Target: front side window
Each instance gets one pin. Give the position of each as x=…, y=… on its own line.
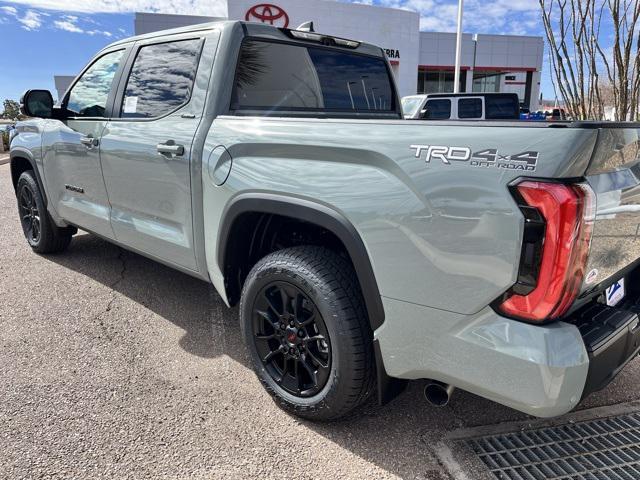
x=470, y=108
x=88, y=97
x=161, y=79
x=438, y=109
x=277, y=76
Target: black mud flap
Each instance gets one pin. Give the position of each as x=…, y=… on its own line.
x=388, y=387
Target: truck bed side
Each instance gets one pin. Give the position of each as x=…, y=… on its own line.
x=440, y=231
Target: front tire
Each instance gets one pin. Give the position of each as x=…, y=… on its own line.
x=43, y=235
x=304, y=321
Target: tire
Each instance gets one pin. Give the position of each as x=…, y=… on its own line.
x=326, y=311
x=42, y=234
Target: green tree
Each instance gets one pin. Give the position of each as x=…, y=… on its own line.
x=11, y=109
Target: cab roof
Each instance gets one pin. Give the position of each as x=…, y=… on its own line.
x=199, y=27
x=251, y=29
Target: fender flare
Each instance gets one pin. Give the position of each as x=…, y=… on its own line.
x=23, y=154
x=315, y=213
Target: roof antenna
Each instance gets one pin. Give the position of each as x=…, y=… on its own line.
x=306, y=27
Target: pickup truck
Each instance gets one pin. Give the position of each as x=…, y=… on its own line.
x=364, y=250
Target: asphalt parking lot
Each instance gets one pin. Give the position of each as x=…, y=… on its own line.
x=114, y=366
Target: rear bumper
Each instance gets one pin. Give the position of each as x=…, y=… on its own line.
x=538, y=369
x=542, y=370
x=612, y=339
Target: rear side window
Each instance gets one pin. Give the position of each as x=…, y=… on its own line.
x=502, y=107
x=438, y=109
x=161, y=79
x=470, y=108
x=278, y=76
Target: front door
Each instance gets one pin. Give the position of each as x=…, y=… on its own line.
x=71, y=157
x=146, y=151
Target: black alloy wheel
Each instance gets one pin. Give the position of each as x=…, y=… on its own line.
x=29, y=214
x=42, y=234
x=305, y=324
x=291, y=339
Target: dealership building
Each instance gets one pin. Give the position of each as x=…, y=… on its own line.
x=422, y=62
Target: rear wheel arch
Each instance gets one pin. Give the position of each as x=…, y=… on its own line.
x=249, y=218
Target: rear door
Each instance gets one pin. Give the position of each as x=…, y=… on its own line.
x=71, y=146
x=146, y=150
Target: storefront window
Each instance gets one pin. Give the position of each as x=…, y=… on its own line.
x=487, y=82
x=438, y=81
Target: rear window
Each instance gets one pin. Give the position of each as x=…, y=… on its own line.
x=279, y=76
x=438, y=109
x=501, y=107
x=470, y=108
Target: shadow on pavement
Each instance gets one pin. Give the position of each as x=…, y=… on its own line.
x=187, y=302
x=395, y=437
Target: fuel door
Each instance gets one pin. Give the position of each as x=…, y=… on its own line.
x=219, y=165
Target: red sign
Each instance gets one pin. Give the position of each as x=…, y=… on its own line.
x=268, y=13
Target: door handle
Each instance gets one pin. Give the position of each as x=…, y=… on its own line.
x=170, y=148
x=89, y=141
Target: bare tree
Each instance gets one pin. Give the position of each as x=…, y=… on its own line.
x=592, y=70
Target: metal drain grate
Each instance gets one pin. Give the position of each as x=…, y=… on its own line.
x=603, y=449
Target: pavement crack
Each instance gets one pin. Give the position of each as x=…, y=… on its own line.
x=123, y=270
x=114, y=294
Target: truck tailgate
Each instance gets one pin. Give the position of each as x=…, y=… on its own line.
x=614, y=175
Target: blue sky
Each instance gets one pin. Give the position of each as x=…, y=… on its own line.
x=46, y=37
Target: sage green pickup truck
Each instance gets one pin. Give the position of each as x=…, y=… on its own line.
x=364, y=250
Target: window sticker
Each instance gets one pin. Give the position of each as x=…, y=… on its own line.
x=130, y=104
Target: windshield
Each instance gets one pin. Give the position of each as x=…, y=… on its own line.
x=410, y=105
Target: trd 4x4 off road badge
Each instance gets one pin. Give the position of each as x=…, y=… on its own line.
x=489, y=158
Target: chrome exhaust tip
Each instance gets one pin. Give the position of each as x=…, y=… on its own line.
x=438, y=393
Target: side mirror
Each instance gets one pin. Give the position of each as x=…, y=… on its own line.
x=424, y=113
x=37, y=103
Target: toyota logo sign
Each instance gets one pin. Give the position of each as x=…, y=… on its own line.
x=268, y=13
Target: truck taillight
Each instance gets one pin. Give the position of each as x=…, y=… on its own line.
x=554, y=253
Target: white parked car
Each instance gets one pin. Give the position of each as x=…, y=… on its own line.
x=462, y=106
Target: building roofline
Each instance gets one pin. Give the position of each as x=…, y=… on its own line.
x=495, y=35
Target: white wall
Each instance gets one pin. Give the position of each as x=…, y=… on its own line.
x=535, y=90
x=152, y=22
x=510, y=51
x=62, y=83
x=385, y=27
x=439, y=49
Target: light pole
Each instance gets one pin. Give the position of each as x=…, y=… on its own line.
x=456, y=75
